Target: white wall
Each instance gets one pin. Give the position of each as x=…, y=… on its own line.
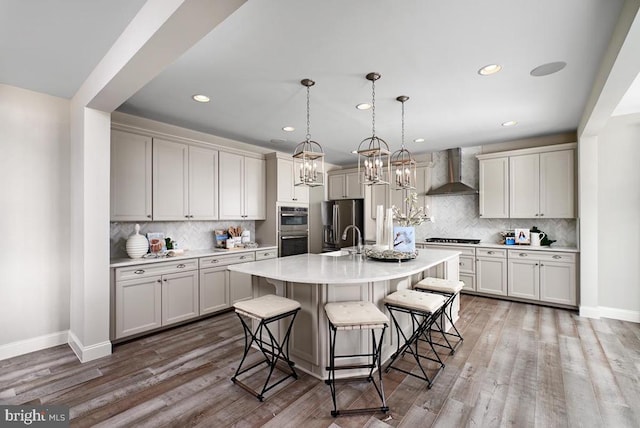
x=619, y=218
x=34, y=216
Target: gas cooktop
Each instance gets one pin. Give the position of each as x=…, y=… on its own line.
x=453, y=240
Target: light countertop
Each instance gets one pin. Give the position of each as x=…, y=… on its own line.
x=347, y=269
x=188, y=254
x=502, y=246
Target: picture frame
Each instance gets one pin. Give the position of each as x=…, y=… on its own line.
x=157, y=243
x=404, y=238
x=523, y=236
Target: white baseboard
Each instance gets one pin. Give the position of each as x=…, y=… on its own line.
x=22, y=347
x=590, y=312
x=88, y=353
x=620, y=314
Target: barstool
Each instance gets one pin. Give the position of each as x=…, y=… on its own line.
x=449, y=288
x=356, y=316
x=423, y=310
x=266, y=310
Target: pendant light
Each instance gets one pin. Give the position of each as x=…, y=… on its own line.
x=403, y=164
x=308, y=157
x=373, y=152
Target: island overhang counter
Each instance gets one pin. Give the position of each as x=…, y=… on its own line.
x=316, y=279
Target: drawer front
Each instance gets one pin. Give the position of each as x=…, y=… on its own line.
x=491, y=252
x=467, y=264
x=543, y=256
x=266, y=254
x=153, y=269
x=227, y=259
x=465, y=251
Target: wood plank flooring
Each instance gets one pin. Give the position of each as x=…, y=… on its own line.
x=520, y=365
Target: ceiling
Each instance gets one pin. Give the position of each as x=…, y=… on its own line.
x=252, y=63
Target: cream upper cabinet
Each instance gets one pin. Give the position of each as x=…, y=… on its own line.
x=170, y=180
x=287, y=191
x=494, y=188
x=345, y=186
x=528, y=183
x=242, y=187
x=185, y=182
x=131, y=165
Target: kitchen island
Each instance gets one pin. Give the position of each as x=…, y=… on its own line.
x=316, y=279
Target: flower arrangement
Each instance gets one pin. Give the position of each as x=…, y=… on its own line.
x=414, y=216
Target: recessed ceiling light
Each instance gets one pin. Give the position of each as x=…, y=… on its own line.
x=288, y=129
x=510, y=123
x=419, y=140
x=363, y=106
x=201, y=98
x=489, y=69
x=549, y=68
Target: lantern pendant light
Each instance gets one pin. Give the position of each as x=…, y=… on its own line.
x=308, y=157
x=373, y=152
x=402, y=162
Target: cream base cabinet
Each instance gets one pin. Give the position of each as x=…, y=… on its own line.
x=242, y=194
x=491, y=271
x=180, y=299
x=131, y=167
x=214, y=290
x=138, y=306
x=558, y=283
x=240, y=287
x=524, y=277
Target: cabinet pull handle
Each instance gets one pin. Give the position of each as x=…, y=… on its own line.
x=557, y=257
x=139, y=271
x=214, y=261
x=181, y=266
x=490, y=252
x=523, y=254
x=265, y=254
x=243, y=257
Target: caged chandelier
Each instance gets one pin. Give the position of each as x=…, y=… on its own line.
x=402, y=161
x=373, y=152
x=308, y=157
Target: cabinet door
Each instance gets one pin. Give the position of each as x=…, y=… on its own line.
x=255, y=188
x=179, y=297
x=130, y=177
x=353, y=188
x=524, y=186
x=285, y=180
x=203, y=184
x=170, y=178
x=138, y=306
x=336, y=186
x=523, y=278
x=469, y=281
x=558, y=283
x=494, y=188
x=491, y=275
x=231, y=192
x=240, y=286
x=557, y=188
x=214, y=290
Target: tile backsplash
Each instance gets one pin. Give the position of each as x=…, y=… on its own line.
x=194, y=235
x=458, y=216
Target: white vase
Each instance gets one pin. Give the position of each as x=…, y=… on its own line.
x=137, y=245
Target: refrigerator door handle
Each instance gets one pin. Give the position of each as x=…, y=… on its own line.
x=336, y=224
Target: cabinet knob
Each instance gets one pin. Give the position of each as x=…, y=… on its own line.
x=181, y=266
x=536, y=264
x=165, y=280
x=139, y=271
x=523, y=254
x=541, y=214
x=158, y=281
x=536, y=215
x=541, y=265
x=148, y=215
x=186, y=216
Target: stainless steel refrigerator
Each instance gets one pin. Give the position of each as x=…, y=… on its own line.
x=336, y=215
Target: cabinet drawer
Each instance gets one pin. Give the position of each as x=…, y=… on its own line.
x=227, y=259
x=266, y=254
x=152, y=269
x=491, y=252
x=467, y=264
x=465, y=251
x=543, y=256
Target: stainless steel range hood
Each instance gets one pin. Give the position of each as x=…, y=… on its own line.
x=455, y=186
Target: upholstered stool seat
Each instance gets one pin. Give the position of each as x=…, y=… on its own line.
x=356, y=316
x=274, y=347
x=423, y=309
x=450, y=288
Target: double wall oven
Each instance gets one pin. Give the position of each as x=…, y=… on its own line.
x=293, y=231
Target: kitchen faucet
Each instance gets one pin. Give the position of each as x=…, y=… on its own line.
x=344, y=237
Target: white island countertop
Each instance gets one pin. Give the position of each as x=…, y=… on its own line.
x=347, y=269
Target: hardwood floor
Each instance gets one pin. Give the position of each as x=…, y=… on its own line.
x=520, y=365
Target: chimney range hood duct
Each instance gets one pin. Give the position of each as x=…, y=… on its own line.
x=455, y=186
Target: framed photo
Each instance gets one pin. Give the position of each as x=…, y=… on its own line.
x=156, y=242
x=404, y=238
x=522, y=236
